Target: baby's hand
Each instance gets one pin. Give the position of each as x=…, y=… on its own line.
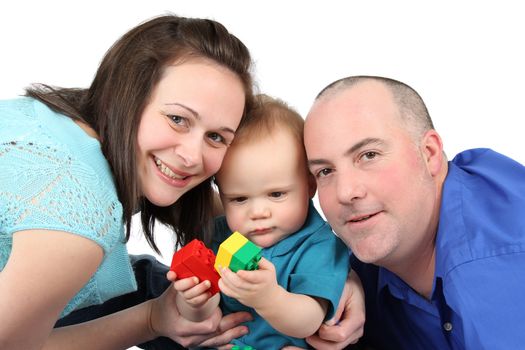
x=194, y=293
x=251, y=288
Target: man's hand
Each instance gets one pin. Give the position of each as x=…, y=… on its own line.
x=347, y=325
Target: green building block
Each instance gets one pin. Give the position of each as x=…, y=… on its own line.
x=246, y=258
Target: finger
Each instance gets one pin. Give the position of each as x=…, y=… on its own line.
x=223, y=339
x=232, y=320
x=265, y=264
x=171, y=275
x=185, y=283
x=199, y=289
x=320, y=344
x=199, y=300
x=230, y=278
x=229, y=328
x=225, y=347
x=248, y=278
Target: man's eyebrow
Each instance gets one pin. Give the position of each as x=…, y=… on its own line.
x=351, y=150
x=363, y=143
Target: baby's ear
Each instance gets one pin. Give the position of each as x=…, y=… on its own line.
x=312, y=185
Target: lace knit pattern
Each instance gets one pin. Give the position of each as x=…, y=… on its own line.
x=45, y=183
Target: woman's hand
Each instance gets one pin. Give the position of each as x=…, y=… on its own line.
x=215, y=331
x=347, y=325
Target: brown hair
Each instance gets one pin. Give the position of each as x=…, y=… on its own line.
x=120, y=91
x=267, y=114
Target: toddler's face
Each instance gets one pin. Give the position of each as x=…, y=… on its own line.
x=265, y=189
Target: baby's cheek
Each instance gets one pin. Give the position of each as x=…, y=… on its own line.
x=213, y=161
x=234, y=217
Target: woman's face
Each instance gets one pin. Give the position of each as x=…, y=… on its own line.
x=186, y=128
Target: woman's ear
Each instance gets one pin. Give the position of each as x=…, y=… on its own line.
x=432, y=150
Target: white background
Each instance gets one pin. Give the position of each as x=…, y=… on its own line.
x=466, y=58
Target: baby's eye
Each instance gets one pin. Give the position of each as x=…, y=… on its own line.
x=276, y=194
x=239, y=199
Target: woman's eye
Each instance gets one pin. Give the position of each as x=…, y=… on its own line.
x=178, y=120
x=215, y=137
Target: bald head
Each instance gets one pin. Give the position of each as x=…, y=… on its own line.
x=410, y=105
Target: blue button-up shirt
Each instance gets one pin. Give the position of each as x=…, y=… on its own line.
x=478, y=297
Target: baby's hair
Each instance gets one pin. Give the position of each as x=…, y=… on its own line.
x=267, y=115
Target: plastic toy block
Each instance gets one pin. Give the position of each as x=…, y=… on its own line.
x=194, y=259
x=238, y=253
x=222, y=260
x=228, y=248
x=237, y=347
x=246, y=258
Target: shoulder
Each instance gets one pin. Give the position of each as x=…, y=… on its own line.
x=54, y=176
x=482, y=209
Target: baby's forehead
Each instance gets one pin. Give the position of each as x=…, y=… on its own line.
x=263, y=131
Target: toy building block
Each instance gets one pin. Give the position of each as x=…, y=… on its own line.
x=237, y=347
x=238, y=253
x=194, y=259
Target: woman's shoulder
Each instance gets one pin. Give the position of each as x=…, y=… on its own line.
x=55, y=174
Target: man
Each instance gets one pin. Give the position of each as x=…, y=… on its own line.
x=439, y=246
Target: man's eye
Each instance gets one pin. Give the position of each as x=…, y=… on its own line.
x=323, y=172
x=369, y=155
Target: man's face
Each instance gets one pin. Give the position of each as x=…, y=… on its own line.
x=373, y=181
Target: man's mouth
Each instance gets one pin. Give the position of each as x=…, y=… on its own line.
x=363, y=218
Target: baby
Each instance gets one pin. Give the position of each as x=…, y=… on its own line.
x=266, y=190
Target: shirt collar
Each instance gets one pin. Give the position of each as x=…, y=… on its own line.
x=313, y=222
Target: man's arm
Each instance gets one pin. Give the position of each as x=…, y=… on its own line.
x=347, y=325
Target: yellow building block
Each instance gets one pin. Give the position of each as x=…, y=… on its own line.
x=228, y=248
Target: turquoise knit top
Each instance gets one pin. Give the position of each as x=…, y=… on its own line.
x=53, y=176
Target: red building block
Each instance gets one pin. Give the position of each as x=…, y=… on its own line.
x=194, y=259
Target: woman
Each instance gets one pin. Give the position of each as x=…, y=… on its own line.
x=76, y=164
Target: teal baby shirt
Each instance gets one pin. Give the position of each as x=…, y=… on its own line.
x=53, y=176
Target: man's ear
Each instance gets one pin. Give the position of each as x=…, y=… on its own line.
x=312, y=185
x=432, y=149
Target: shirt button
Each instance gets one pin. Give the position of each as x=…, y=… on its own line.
x=447, y=326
